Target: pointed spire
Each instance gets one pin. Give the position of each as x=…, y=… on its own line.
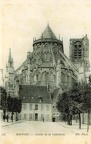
x=33, y=39
x=62, y=39
x=59, y=36
x=48, y=33
x=63, y=44
x=10, y=59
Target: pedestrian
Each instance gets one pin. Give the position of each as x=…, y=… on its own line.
x=4, y=117
x=7, y=117
x=43, y=119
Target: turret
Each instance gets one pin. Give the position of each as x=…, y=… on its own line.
x=10, y=59
x=9, y=77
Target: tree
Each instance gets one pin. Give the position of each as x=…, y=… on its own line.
x=10, y=106
x=64, y=105
x=70, y=103
x=3, y=99
x=76, y=94
x=17, y=106
x=87, y=102
x=14, y=105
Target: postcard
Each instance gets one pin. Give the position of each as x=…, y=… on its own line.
x=45, y=77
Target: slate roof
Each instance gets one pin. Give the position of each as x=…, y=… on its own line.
x=48, y=33
x=34, y=94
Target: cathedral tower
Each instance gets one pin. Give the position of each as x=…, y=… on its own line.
x=9, y=77
x=46, y=54
x=79, y=55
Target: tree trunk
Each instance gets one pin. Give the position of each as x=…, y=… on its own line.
x=79, y=120
x=69, y=119
x=88, y=120
x=12, y=116
x=90, y=117
x=82, y=118
x=16, y=116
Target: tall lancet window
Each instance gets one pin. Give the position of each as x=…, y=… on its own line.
x=77, y=51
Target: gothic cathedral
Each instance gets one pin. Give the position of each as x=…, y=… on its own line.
x=45, y=74
x=48, y=66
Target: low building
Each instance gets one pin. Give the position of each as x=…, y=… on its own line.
x=36, y=103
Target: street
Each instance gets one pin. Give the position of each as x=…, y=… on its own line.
x=42, y=128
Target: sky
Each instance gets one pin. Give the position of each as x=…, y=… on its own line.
x=21, y=21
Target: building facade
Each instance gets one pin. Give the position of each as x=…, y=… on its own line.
x=36, y=103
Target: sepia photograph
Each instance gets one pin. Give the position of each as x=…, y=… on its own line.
x=45, y=72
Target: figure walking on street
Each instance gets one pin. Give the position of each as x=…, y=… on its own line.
x=4, y=117
x=7, y=117
x=43, y=119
